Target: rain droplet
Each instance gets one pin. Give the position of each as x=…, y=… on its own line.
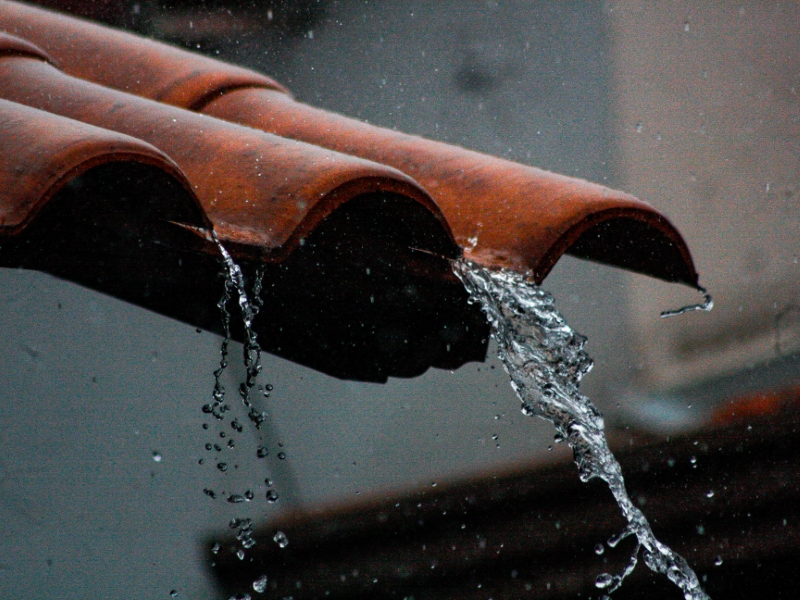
x=603, y=581
x=280, y=539
x=260, y=584
x=216, y=548
x=235, y=499
x=173, y=593
x=210, y=493
x=272, y=496
x=710, y=494
x=222, y=466
x=281, y=455
x=598, y=549
x=718, y=561
x=262, y=452
x=240, y=554
x=157, y=456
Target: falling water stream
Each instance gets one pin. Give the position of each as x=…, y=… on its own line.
x=249, y=306
x=546, y=360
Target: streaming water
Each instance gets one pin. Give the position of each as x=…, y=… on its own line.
x=249, y=306
x=546, y=361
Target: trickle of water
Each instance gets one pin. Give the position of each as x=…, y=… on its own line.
x=234, y=281
x=546, y=361
x=706, y=305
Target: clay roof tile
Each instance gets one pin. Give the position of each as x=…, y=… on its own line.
x=501, y=213
x=261, y=191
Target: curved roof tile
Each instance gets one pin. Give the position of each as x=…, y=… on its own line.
x=259, y=190
x=40, y=153
x=501, y=213
x=125, y=61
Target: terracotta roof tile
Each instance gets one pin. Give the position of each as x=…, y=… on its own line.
x=40, y=153
x=90, y=114
x=259, y=190
x=501, y=213
x=125, y=61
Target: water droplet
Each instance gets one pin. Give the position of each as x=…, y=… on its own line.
x=262, y=452
x=281, y=455
x=240, y=554
x=222, y=466
x=599, y=549
x=173, y=593
x=639, y=128
x=604, y=580
x=249, y=495
x=157, y=456
x=260, y=584
x=216, y=548
x=710, y=494
x=701, y=530
x=235, y=499
x=210, y=493
x=693, y=460
x=280, y=539
x=718, y=561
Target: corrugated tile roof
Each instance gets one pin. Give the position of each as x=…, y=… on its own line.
x=267, y=172
x=502, y=213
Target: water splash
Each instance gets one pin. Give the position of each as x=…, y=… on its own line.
x=546, y=361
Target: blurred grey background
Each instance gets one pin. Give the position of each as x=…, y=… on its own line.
x=691, y=106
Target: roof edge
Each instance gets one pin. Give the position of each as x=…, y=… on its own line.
x=252, y=245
